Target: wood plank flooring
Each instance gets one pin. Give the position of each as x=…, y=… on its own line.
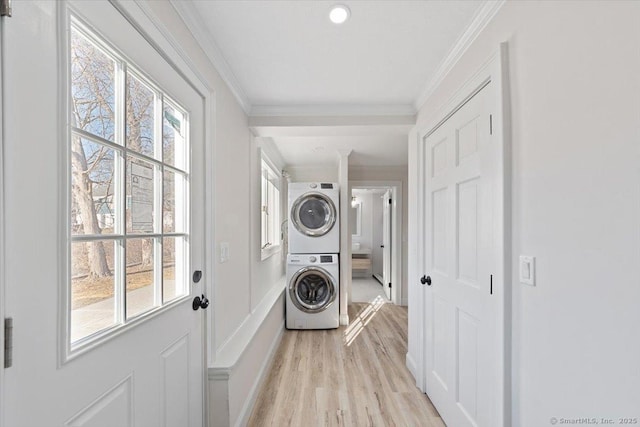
x=351, y=376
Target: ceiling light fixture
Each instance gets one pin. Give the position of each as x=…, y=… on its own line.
x=339, y=14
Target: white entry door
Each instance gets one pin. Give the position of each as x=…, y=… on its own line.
x=104, y=218
x=462, y=315
x=386, y=242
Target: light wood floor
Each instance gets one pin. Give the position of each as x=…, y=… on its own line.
x=351, y=376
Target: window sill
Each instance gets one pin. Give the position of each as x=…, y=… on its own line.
x=268, y=252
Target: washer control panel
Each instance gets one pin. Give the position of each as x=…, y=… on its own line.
x=312, y=259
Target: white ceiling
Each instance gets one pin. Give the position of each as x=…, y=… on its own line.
x=285, y=58
x=366, y=150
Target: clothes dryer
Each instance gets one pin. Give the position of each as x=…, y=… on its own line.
x=314, y=218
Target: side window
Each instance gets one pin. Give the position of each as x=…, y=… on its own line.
x=270, y=209
x=129, y=192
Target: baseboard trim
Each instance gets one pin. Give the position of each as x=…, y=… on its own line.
x=247, y=408
x=412, y=367
x=344, y=320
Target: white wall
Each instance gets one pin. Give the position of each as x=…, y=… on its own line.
x=389, y=173
x=575, y=86
x=328, y=173
x=244, y=318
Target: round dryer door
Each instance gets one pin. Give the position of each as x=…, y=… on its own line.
x=313, y=214
x=312, y=290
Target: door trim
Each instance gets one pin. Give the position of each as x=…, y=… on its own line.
x=494, y=70
x=2, y=225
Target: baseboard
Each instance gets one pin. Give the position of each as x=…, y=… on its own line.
x=412, y=367
x=245, y=413
x=344, y=320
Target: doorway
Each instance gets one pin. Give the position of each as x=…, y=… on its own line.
x=374, y=223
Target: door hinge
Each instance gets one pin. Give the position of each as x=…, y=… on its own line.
x=5, y=8
x=491, y=285
x=389, y=284
x=8, y=342
x=490, y=124
x=390, y=201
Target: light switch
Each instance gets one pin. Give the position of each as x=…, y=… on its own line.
x=224, y=252
x=528, y=270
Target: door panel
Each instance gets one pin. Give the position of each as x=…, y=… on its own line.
x=467, y=363
x=149, y=372
x=439, y=239
x=461, y=328
x=115, y=407
x=441, y=335
x=467, y=244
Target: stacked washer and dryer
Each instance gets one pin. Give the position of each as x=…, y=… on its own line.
x=313, y=271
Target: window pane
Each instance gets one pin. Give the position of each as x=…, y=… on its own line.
x=92, y=287
x=92, y=88
x=140, y=106
x=174, y=202
x=140, y=192
x=173, y=134
x=92, y=186
x=139, y=277
x=174, y=268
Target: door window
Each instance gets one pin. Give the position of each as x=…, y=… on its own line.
x=129, y=191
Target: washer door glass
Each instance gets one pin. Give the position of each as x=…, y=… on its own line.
x=313, y=214
x=312, y=290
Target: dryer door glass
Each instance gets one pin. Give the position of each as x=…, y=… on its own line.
x=313, y=214
x=312, y=290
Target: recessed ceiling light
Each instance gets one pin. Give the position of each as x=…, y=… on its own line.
x=339, y=14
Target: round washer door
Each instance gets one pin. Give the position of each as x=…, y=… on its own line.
x=313, y=214
x=312, y=289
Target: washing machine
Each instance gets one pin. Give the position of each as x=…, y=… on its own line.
x=313, y=291
x=314, y=218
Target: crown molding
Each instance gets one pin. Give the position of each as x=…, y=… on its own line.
x=483, y=16
x=205, y=40
x=333, y=110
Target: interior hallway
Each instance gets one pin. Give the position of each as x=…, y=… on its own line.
x=351, y=376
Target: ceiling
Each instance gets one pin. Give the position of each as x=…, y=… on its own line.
x=285, y=58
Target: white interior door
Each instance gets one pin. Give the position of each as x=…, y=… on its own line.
x=386, y=242
x=462, y=333
x=104, y=218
